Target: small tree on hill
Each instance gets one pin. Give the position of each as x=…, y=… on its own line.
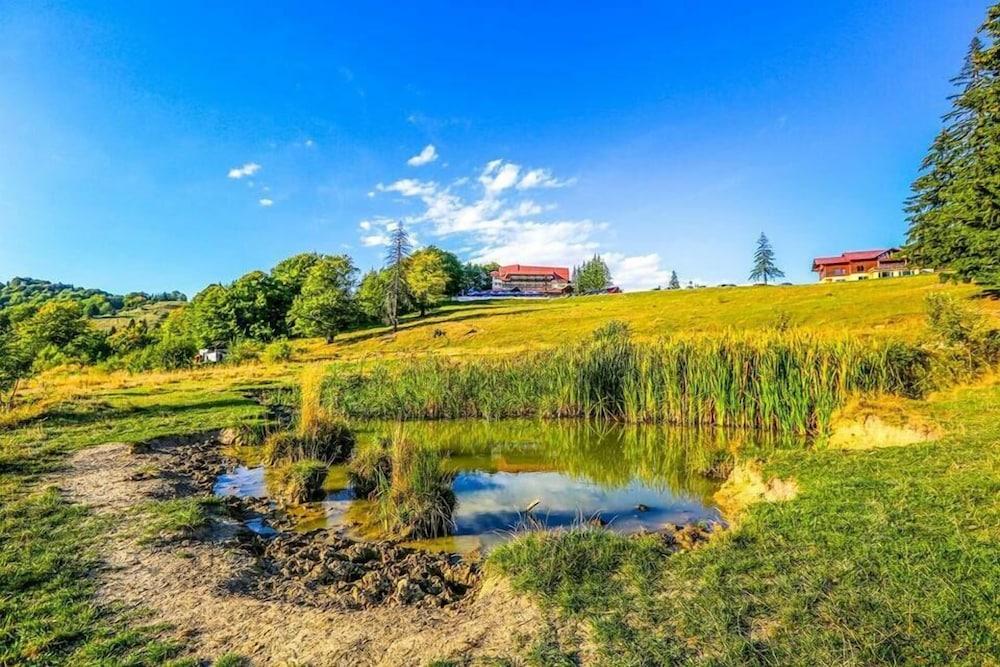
x=395, y=259
x=764, y=267
x=325, y=306
x=427, y=277
x=675, y=283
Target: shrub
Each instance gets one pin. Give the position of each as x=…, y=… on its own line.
x=331, y=442
x=277, y=352
x=244, y=351
x=962, y=341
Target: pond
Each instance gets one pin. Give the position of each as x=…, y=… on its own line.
x=629, y=477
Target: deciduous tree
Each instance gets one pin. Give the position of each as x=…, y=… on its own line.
x=325, y=305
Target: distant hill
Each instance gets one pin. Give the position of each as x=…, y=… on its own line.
x=35, y=292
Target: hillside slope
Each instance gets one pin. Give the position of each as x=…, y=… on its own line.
x=883, y=307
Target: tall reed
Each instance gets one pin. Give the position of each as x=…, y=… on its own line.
x=787, y=382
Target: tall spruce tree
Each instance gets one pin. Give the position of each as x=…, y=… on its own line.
x=954, y=211
x=764, y=267
x=395, y=259
x=675, y=283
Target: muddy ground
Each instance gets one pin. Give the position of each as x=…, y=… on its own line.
x=298, y=600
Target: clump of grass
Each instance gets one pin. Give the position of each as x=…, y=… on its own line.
x=370, y=467
x=415, y=500
x=299, y=482
x=786, y=382
x=318, y=433
x=165, y=520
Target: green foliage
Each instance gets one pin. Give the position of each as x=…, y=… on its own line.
x=257, y=304
x=15, y=366
x=965, y=344
x=477, y=278
x=427, y=277
x=787, y=382
x=764, y=268
x=592, y=276
x=209, y=318
x=373, y=299
x=291, y=273
x=675, y=283
x=954, y=212
x=278, y=351
x=130, y=338
x=325, y=306
x=244, y=351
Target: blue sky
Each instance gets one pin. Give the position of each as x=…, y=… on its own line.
x=662, y=135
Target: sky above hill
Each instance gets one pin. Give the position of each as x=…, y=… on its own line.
x=153, y=149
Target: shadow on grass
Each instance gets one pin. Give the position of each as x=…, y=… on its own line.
x=432, y=318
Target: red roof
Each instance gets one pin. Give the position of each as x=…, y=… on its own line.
x=505, y=272
x=853, y=256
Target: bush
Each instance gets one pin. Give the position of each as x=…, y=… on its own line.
x=244, y=351
x=277, y=352
x=963, y=342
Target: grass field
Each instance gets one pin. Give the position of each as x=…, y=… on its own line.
x=885, y=556
x=873, y=308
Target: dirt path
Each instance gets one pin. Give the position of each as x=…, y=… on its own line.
x=183, y=586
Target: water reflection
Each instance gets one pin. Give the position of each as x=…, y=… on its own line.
x=630, y=476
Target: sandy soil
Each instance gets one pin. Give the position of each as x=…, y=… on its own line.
x=184, y=587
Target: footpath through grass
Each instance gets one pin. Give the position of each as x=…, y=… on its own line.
x=886, y=556
x=49, y=547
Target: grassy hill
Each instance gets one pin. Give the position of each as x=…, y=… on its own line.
x=885, y=307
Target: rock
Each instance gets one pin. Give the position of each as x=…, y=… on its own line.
x=360, y=553
x=641, y=508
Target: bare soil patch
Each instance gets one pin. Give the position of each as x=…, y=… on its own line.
x=209, y=590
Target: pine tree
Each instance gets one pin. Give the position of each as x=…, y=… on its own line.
x=395, y=259
x=764, y=267
x=954, y=212
x=675, y=283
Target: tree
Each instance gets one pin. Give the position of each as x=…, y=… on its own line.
x=675, y=283
x=57, y=324
x=764, y=267
x=325, y=306
x=395, y=259
x=258, y=306
x=954, y=211
x=209, y=317
x=452, y=269
x=427, y=278
x=476, y=277
x=592, y=276
x=15, y=366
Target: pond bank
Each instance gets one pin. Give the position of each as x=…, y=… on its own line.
x=190, y=584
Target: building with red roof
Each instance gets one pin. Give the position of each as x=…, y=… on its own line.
x=526, y=278
x=863, y=265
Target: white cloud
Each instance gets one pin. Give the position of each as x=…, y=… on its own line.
x=499, y=175
x=542, y=178
x=374, y=240
x=426, y=156
x=409, y=187
x=310, y=143
x=249, y=169
x=498, y=223
x=638, y=271
x=265, y=202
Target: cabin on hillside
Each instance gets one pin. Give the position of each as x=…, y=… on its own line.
x=864, y=265
x=548, y=280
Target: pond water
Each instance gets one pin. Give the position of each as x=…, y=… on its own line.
x=631, y=477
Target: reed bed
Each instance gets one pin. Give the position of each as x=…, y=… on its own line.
x=786, y=382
